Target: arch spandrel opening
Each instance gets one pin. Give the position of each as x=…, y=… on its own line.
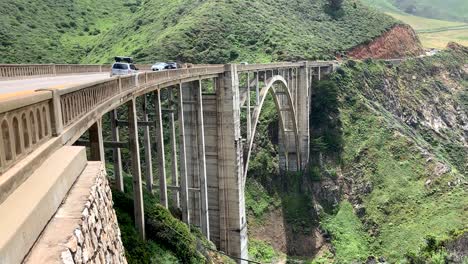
x=6, y=138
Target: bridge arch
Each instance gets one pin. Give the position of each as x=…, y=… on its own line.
x=277, y=86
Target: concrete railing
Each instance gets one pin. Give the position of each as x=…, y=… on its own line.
x=30, y=70
x=8, y=71
x=25, y=123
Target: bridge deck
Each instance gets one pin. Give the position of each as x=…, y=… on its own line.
x=11, y=88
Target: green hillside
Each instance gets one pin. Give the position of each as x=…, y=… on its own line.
x=385, y=183
x=56, y=31
x=187, y=30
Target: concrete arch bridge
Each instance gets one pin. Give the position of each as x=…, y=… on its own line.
x=188, y=125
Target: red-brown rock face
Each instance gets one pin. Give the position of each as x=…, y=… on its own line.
x=398, y=42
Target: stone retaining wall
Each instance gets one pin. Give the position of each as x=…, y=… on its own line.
x=85, y=228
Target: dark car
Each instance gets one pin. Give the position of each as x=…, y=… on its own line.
x=171, y=65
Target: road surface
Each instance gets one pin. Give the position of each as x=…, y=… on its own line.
x=11, y=88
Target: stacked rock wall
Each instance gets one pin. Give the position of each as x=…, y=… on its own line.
x=85, y=228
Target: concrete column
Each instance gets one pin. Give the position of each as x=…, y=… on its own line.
x=233, y=226
x=302, y=112
x=183, y=160
x=192, y=149
x=57, y=121
x=174, y=167
x=249, y=116
x=147, y=146
x=136, y=170
x=205, y=222
x=210, y=119
x=257, y=89
x=160, y=150
x=116, y=155
x=96, y=142
x=288, y=156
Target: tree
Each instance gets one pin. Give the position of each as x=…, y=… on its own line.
x=335, y=4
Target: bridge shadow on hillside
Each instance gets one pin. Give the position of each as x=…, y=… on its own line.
x=303, y=196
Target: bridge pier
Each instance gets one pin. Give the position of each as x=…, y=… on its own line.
x=116, y=155
x=303, y=92
x=147, y=147
x=232, y=217
x=184, y=194
x=96, y=142
x=195, y=153
x=160, y=150
x=174, y=167
x=136, y=169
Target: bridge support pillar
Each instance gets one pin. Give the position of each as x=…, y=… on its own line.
x=96, y=142
x=302, y=110
x=289, y=159
x=232, y=218
x=195, y=153
x=160, y=150
x=174, y=167
x=136, y=169
x=147, y=146
x=184, y=195
x=116, y=155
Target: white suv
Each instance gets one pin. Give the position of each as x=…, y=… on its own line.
x=123, y=68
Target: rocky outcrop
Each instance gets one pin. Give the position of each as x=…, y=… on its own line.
x=85, y=228
x=398, y=42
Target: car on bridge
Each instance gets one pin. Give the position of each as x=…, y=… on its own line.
x=159, y=66
x=123, y=66
x=172, y=65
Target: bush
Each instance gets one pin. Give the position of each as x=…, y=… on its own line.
x=335, y=4
x=161, y=226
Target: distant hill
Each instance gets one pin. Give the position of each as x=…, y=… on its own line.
x=452, y=10
x=437, y=22
x=187, y=30
x=237, y=30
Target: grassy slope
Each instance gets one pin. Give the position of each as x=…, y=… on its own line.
x=381, y=150
x=215, y=32
x=435, y=33
x=55, y=31
x=383, y=160
x=188, y=30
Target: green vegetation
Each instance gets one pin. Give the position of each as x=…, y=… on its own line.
x=349, y=238
x=191, y=31
x=405, y=200
x=183, y=30
x=56, y=31
x=168, y=239
x=263, y=252
x=383, y=152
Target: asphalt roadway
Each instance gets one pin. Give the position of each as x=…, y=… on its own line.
x=12, y=88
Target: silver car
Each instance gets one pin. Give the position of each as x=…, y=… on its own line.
x=159, y=66
x=122, y=68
